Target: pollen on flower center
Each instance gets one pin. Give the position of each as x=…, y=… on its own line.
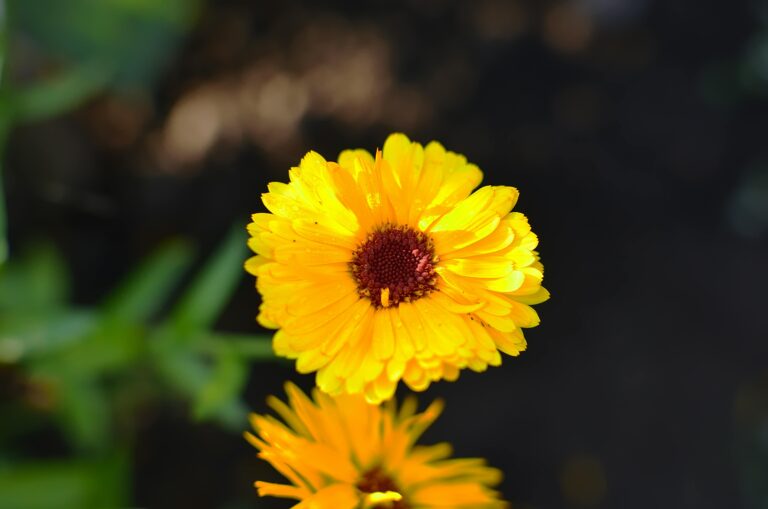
x=395, y=264
x=376, y=481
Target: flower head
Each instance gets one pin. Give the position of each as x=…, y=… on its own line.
x=388, y=267
x=344, y=453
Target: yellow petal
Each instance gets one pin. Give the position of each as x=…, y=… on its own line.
x=337, y=496
x=348, y=158
x=268, y=489
x=383, y=334
x=485, y=267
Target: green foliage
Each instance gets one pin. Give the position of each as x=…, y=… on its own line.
x=73, y=484
x=91, y=45
x=93, y=365
x=84, y=413
x=127, y=40
x=213, y=371
x=85, y=372
x=148, y=288
x=218, y=395
x=36, y=284
x=207, y=295
x=55, y=95
x=3, y=221
x=27, y=337
x=5, y=125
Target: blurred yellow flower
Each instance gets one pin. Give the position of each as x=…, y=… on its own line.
x=376, y=269
x=344, y=453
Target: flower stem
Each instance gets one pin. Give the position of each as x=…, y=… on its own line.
x=4, y=128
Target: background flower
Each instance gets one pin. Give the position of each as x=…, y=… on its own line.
x=343, y=453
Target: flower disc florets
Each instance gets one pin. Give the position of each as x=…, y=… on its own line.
x=377, y=481
x=395, y=264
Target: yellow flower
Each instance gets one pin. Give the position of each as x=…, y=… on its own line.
x=344, y=453
x=376, y=269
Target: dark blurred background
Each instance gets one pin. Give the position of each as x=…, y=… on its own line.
x=635, y=131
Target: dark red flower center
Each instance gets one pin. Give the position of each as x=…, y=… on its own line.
x=376, y=480
x=395, y=264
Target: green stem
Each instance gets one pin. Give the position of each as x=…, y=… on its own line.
x=3, y=221
x=256, y=348
x=4, y=128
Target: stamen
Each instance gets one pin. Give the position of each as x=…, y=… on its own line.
x=381, y=490
x=381, y=499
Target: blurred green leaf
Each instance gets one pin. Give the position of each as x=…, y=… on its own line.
x=3, y=40
x=149, y=286
x=3, y=220
x=46, y=281
x=253, y=347
x=85, y=412
x=212, y=288
x=5, y=125
x=103, y=351
x=129, y=39
x=38, y=282
x=233, y=415
x=54, y=95
x=39, y=486
x=184, y=370
x=25, y=336
x=212, y=375
x=118, y=336
x=65, y=485
x=222, y=388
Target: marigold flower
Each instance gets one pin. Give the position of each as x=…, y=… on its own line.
x=376, y=269
x=344, y=453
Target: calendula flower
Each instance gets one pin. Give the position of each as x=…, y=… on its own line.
x=377, y=269
x=344, y=453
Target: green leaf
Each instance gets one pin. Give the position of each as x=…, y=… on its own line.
x=232, y=416
x=24, y=336
x=37, y=283
x=93, y=349
x=118, y=338
x=46, y=280
x=222, y=390
x=45, y=487
x=213, y=372
x=107, y=350
x=149, y=286
x=130, y=39
x=212, y=288
x=253, y=347
x=55, y=95
x=3, y=220
x=85, y=412
x=184, y=370
x=65, y=485
x=5, y=126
